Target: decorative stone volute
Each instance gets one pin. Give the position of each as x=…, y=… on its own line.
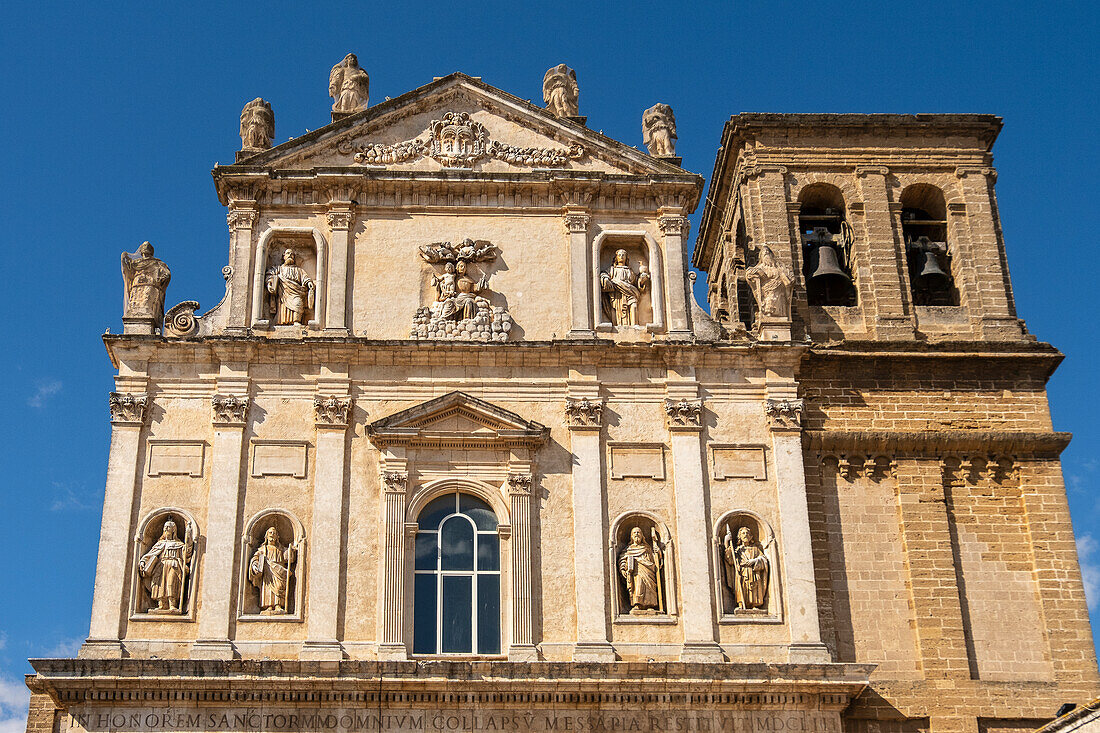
x=332, y=411
x=240, y=217
x=339, y=219
x=684, y=414
x=583, y=413
x=784, y=414
x=127, y=408
x=229, y=410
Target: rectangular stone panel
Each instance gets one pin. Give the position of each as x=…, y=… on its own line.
x=279, y=458
x=737, y=461
x=637, y=460
x=176, y=457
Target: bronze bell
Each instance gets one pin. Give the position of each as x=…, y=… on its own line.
x=930, y=274
x=825, y=266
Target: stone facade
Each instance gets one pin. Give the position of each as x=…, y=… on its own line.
x=455, y=452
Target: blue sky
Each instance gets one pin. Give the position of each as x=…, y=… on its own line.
x=112, y=122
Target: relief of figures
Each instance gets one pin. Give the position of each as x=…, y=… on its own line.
x=165, y=569
x=271, y=571
x=641, y=567
x=772, y=284
x=747, y=568
x=461, y=309
x=622, y=290
x=348, y=85
x=145, y=280
x=290, y=291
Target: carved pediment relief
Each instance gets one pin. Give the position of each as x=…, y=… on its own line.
x=458, y=122
x=457, y=419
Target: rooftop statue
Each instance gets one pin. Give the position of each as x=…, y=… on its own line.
x=145, y=280
x=659, y=130
x=560, y=91
x=257, y=125
x=349, y=86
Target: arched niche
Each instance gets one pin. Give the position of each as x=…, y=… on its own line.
x=928, y=249
x=732, y=605
x=310, y=245
x=641, y=249
x=827, y=269
x=654, y=533
x=165, y=576
x=256, y=581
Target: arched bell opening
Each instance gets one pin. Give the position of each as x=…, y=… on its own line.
x=927, y=250
x=826, y=246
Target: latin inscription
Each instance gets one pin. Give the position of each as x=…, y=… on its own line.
x=264, y=720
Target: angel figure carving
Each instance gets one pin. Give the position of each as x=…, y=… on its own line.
x=348, y=85
x=622, y=289
x=772, y=284
x=145, y=280
x=659, y=130
x=291, y=291
x=257, y=125
x=747, y=568
x=640, y=565
x=165, y=568
x=270, y=571
x=560, y=91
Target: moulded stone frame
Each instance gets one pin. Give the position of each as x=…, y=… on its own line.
x=659, y=447
x=618, y=616
x=153, y=442
x=300, y=565
x=252, y=471
x=656, y=273
x=494, y=496
x=775, y=588
x=712, y=447
x=135, y=574
x=320, y=279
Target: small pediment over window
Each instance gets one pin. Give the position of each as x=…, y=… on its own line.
x=457, y=420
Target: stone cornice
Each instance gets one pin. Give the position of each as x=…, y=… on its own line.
x=938, y=443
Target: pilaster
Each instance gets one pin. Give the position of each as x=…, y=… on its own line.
x=581, y=271
x=394, y=491
x=784, y=418
x=880, y=294
x=684, y=411
x=675, y=227
x=341, y=219
x=241, y=219
x=332, y=408
x=523, y=616
x=129, y=411
x=230, y=417
x=584, y=418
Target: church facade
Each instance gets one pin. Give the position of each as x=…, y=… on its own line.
x=457, y=450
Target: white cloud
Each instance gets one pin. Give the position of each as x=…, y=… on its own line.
x=65, y=648
x=66, y=497
x=14, y=697
x=1088, y=552
x=43, y=391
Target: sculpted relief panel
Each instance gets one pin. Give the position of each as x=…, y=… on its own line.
x=461, y=310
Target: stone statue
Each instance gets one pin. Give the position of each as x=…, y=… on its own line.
x=461, y=309
x=746, y=569
x=560, y=91
x=164, y=569
x=659, y=130
x=146, y=279
x=772, y=284
x=257, y=125
x=640, y=565
x=348, y=85
x=291, y=291
x=270, y=571
x=458, y=291
x=622, y=289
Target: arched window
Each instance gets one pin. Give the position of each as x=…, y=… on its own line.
x=924, y=227
x=456, y=590
x=827, y=246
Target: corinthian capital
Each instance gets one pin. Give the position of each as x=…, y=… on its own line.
x=332, y=411
x=576, y=222
x=583, y=413
x=395, y=482
x=684, y=414
x=673, y=225
x=229, y=410
x=241, y=218
x=784, y=414
x=340, y=219
x=127, y=408
x=519, y=483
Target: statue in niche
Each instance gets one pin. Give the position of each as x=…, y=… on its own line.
x=772, y=284
x=560, y=91
x=622, y=289
x=291, y=291
x=270, y=570
x=747, y=569
x=164, y=569
x=659, y=130
x=257, y=125
x=146, y=279
x=348, y=85
x=641, y=566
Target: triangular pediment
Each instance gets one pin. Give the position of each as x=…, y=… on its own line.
x=456, y=419
x=458, y=123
